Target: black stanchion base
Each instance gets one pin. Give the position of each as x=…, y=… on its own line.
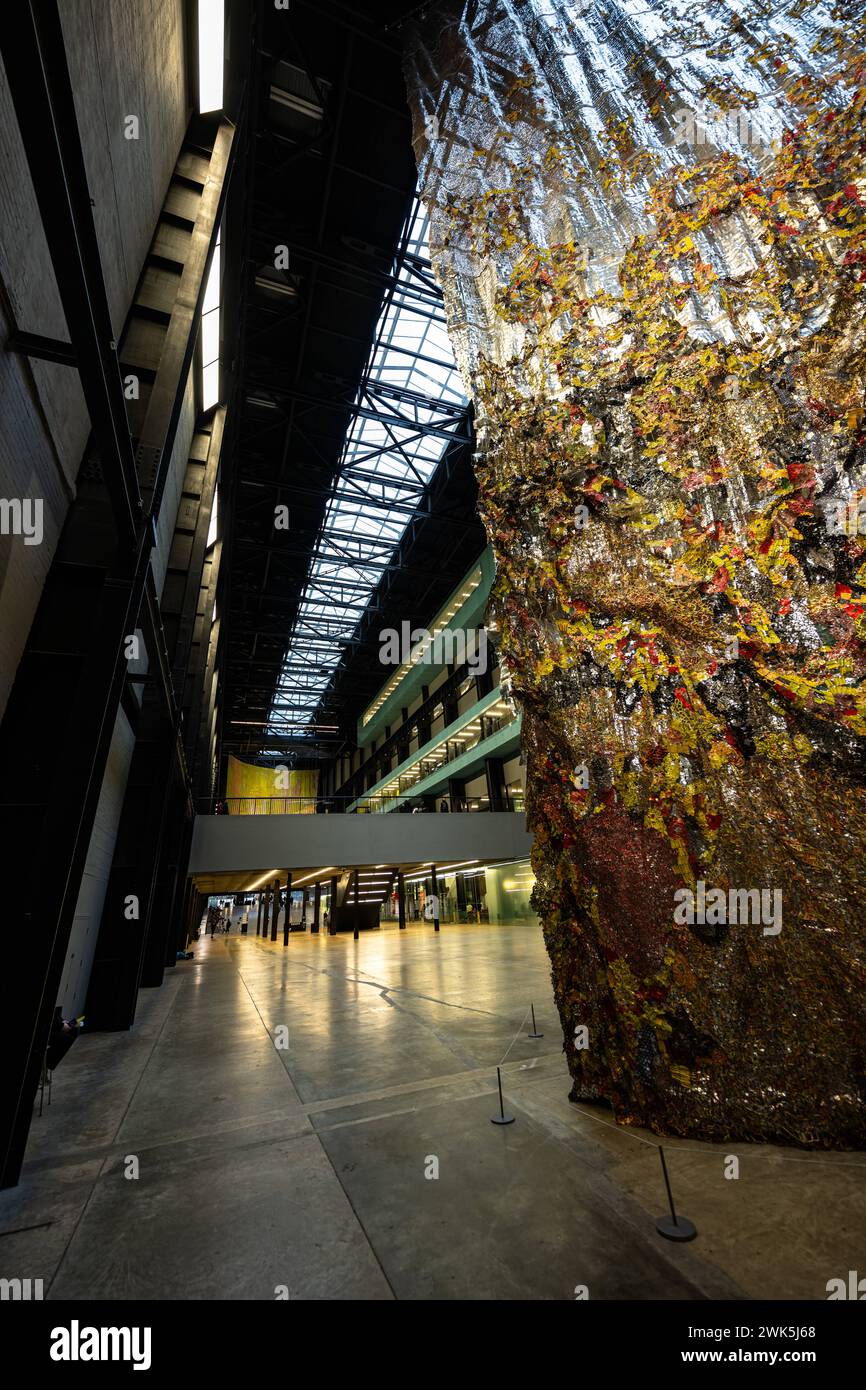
x=502, y=1119
x=535, y=1035
x=681, y=1229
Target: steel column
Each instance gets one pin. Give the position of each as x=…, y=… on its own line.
x=276, y=910
x=287, y=925
x=317, y=903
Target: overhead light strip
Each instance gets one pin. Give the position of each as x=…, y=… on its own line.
x=211, y=54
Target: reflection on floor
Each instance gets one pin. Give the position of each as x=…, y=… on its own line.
x=285, y=1109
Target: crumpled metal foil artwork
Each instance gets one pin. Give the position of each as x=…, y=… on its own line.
x=649, y=223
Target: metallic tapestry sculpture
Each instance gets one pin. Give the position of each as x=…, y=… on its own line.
x=649, y=222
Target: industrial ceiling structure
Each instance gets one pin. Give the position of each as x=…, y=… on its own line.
x=351, y=426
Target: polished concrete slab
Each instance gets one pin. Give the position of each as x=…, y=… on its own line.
x=313, y=1121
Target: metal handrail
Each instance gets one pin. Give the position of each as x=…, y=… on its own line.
x=343, y=805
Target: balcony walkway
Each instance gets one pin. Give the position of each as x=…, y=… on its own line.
x=256, y=844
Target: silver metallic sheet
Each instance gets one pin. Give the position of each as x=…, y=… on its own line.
x=649, y=223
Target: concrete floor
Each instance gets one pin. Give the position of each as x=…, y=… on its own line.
x=302, y=1169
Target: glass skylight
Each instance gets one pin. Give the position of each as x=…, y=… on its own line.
x=409, y=405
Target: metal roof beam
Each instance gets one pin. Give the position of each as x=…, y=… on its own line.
x=439, y=429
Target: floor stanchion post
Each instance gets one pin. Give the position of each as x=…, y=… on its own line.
x=673, y=1227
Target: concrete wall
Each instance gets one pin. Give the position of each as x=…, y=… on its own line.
x=125, y=58
x=88, y=910
x=258, y=843
x=30, y=466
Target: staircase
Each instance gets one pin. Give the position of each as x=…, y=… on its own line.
x=367, y=913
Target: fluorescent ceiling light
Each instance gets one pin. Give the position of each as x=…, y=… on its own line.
x=266, y=878
x=212, y=528
x=296, y=103
x=210, y=385
x=211, y=32
x=212, y=291
x=210, y=333
x=264, y=282
x=318, y=874
x=210, y=337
